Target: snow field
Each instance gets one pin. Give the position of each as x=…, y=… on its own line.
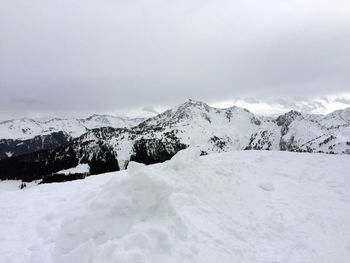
x=251, y=206
x=80, y=168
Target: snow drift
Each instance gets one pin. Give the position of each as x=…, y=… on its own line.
x=251, y=206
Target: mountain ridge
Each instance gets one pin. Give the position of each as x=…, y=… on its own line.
x=191, y=124
x=28, y=128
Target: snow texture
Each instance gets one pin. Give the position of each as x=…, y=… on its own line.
x=250, y=206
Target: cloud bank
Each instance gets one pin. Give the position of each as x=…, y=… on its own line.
x=64, y=57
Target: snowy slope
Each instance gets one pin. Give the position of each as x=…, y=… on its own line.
x=336, y=119
x=28, y=128
x=80, y=168
x=243, y=206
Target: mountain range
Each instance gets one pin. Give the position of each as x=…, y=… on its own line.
x=26, y=135
x=32, y=150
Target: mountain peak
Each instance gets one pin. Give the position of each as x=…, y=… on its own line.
x=194, y=104
x=287, y=118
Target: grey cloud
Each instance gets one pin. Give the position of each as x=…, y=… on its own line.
x=325, y=99
x=342, y=100
x=304, y=105
x=251, y=100
x=310, y=106
x=150, y=109
x=105, y=55
x=27, y=101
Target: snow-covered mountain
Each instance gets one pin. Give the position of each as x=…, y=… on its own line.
x=328, y=134
x=24, y=129
x=194, y=124
x=240, y=206
x=27, y=135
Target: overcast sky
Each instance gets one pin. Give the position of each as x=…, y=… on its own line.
x=73, y=58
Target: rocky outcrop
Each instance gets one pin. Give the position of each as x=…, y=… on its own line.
x=286, y=119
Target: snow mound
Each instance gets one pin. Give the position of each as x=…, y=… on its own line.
x=252, y=206
x=185, y=158
x=128, y=221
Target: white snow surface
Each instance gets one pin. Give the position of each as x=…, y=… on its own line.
x=79, y=169
x=14, y=185
x=250, y=206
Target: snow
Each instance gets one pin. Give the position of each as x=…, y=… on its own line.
x=9, y=154
x=28, y=128
x=336, y=118
x=97, y=121
x=14, y=185
x=79, y=169
x=243, y=206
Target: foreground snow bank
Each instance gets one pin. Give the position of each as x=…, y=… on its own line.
x=229, y=207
